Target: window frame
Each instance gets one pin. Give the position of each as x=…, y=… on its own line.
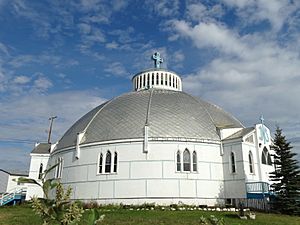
x=113, y=166
x=100, y=163
x=115, y=163
x=186, y=163
x=251, y=162
x=194, y=162
x=107, y=165
x=59, y=168
x=41, y=169
x=266, y=157
x=178, y=163
x=233, y=169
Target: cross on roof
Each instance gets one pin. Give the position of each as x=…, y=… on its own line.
x=157, y=59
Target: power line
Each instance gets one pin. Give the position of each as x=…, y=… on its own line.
x=17, y=140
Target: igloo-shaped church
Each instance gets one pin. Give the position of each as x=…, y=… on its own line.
x=158, y=144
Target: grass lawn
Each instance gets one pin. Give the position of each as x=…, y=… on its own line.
x=23, y=215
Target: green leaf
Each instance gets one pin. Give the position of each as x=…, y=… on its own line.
x=49, y=169
x=24, y=180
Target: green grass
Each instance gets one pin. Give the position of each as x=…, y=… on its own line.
x=23, y=215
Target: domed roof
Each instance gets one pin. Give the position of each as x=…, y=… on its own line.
x=168, y=114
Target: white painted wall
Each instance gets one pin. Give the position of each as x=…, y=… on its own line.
x=8, y=183
x=234, y=183
x=12, y=184
x=142, y=177
x=152, y=177
x=35, y=162
x=3, y=181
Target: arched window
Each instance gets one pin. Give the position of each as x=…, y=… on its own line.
x=178, y=162
x=108, y=162
x=232, y=158
x=186, y=160
x=265, y=157
x=59, y=167
x=41, y=171
x=162, y=79
x=166, y=79
x=269, y=160
x=194, y=161
x=100, y=163
x=140, y=77
x=251, y=166
x=152, y=79
x=148, y=80
x=115, y=162
x=157, y=79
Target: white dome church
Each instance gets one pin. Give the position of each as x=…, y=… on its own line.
x=158, y=144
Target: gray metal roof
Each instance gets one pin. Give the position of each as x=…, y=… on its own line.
x=169, y=114
x=241, y=133
x=16, y=172
x=42, y=148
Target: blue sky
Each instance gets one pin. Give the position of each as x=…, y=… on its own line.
x=63, y=58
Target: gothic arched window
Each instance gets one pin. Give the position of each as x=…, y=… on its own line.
x=251, y=166
x=266, y=157
x=41, y=171
x=232, y=159
x=186, y=160
x=100, y=163
x=59, y=167
x=108, y=162
x=115, y=162
x=194, y=161
x=178, y=161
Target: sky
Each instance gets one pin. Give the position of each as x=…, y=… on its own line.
x=63, y=58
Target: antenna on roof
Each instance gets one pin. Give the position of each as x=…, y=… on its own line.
x=50, y=129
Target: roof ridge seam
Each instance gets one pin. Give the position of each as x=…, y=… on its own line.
x=202, y=107
x=96, y=114
x=148, y=108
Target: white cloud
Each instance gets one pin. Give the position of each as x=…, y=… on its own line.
x=27, y=116
x=21, y=79
x=4, y=49
x=200, y=12
x=116, y=69
x=84, y=28
x=250, y=74
x=42, y=83
x=164, y=7
x=178, y=56
x=276, y=12
x=112, y=45
x=210, y=35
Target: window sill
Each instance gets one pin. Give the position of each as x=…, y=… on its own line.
x=187, y=172
x=113, y=173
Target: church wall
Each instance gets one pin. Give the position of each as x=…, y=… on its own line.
x=12, y=184
x=262, y=143
x=142, y=177
x=35, y=162
x=234, y=182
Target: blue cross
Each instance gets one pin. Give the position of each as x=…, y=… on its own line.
x=157, y=59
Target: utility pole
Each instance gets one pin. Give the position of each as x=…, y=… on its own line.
x=50, y=130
